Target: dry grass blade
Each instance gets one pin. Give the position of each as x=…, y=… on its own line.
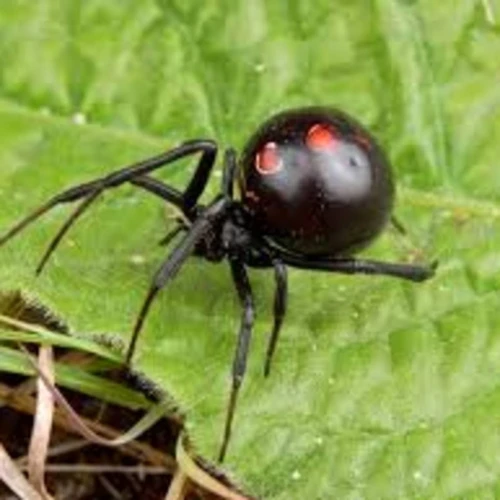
x=14, y=479
x=136, y=449
x=179, y=487
x=201, y=477
x=148, y=420
x=138, y=470
x=42, y=427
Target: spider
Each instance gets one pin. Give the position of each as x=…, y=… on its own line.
x=314, y=188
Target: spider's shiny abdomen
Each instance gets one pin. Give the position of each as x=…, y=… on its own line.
x=316, y=183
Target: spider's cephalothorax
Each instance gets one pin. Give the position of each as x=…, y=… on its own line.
x=229, y=237
x=314, y=188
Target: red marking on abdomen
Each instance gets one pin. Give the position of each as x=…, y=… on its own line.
x=268, y=160
x=321, y=136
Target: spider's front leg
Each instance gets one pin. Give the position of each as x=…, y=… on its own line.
x=240, y=278
x=172, y=264
x=204, y=220
x=88, y=192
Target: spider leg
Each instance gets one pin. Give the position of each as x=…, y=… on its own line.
x=280, y=303
x=151, y=185
x=91, y=190
x=65, y=227
x=398, y=225
x=170, y=236
x=160, y=189
x=409, y=272
x=169, y=194
x=244, y=290
x=200, y=177
x=229, y=173
x=173, y=263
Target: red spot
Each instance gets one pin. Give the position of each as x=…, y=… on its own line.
x=322, y=136
x=268, y=160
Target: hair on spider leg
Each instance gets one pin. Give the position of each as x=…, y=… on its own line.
x=314, y=188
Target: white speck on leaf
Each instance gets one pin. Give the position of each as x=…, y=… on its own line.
x=137, y=259
x=79, y=119
x=418, y=476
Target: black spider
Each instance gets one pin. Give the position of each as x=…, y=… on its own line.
x=314, y=188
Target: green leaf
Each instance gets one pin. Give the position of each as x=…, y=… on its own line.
x=74, y=378
x=380, y=389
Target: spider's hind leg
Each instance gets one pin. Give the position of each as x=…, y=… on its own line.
x=279, y=310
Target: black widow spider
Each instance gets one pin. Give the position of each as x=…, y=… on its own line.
x=314, y=188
